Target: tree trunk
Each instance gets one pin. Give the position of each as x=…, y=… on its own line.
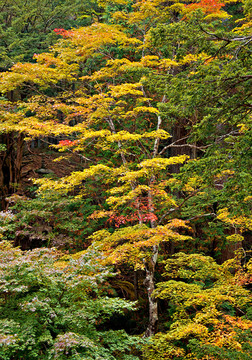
x=10, y=165
x=136, y=288
x=150, y=285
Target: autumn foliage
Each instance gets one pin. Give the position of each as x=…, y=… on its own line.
x=207, y=6
x=145, y=118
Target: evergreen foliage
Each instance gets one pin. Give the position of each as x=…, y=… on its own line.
x=27, y=26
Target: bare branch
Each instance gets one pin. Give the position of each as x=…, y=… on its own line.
x=174, y=144
x=226, y=39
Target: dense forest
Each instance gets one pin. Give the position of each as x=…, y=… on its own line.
x=125, y=180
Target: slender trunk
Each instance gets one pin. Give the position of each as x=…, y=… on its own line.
x=150, y=285
x=151, y=265
x=124, y=161
x=150, y=271
x=150, y=268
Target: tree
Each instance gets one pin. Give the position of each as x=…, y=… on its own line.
x=54, y=306
x=122, y=107
x=61, y=222
x=138, y=177
x=208, y=306
x=27, y=27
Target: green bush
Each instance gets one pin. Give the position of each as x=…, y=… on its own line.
x=54, y=307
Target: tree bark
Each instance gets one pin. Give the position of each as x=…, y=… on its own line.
x=150, y=285
x=10, y=165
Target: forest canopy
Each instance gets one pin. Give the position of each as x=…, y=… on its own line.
x=125, y=178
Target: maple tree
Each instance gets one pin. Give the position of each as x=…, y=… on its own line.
x=207, y=302
x=27, y=29
x=104, y=102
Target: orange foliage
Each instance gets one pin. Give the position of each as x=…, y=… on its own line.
x=208, y=6
x=63, y=32
x=225, y=333
x=66, y=143
x=134, y=218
